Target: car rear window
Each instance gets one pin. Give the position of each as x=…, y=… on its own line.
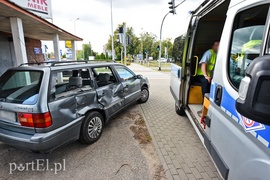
x=20, y=87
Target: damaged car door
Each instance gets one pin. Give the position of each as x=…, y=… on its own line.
x=110, y=91
x=131, y=84
x=69, y=93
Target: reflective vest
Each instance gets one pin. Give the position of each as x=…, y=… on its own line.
x=249, y=45
x=210, y=66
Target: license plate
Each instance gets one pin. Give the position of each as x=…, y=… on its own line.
x=8, y=116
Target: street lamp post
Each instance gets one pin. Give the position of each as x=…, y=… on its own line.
x=75, y=44
x=160, y=39
x=113, y=58
x=142, y=43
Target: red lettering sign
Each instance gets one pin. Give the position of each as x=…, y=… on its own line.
x=40, y=2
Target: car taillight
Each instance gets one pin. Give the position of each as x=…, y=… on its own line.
x=35, y=120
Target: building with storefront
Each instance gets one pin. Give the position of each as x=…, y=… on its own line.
x=21, y=32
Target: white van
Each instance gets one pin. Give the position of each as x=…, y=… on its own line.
x=236, y=114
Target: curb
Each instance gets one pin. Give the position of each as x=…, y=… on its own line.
x=161, y=158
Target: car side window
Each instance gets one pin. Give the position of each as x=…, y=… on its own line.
x=69, y=82
x=246, y=41
x=124, y=73
x=104, y=76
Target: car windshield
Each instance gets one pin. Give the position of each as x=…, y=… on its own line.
x=20, y=87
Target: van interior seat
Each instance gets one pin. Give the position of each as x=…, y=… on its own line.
x=103, y=79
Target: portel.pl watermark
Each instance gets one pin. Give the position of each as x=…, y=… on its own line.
x=38, y=165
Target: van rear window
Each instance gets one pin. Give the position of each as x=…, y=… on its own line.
x=20, y=87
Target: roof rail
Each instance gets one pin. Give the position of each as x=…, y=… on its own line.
x=38, y=63
x=66, y=62
x=52, y=63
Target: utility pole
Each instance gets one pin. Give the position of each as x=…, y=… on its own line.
x=113, y=58
x=75, y=32
x=123, y=40
x=160, y=44
x=125, y=45
x=142, y=43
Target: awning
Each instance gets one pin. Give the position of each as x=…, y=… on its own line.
x=34, y=26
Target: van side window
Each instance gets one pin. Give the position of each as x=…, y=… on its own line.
x=246, y=41
x=69, y=82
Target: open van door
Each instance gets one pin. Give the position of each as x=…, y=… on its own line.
x=175, y=83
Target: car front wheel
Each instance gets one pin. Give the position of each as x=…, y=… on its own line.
x=144, y=95
x=92, y=127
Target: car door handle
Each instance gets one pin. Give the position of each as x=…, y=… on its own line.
x=218, y=95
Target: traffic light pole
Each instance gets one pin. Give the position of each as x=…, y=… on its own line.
x=160, y=37
x=125, y=45
x=160, y=44
x=113, y=58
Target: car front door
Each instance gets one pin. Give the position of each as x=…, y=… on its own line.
x=110, y=91
x=131, y=84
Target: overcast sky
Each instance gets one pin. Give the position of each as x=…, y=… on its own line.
x=94, y=24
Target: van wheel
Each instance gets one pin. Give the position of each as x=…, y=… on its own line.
x=144, y=95
x=92, y=127
x=180, y=111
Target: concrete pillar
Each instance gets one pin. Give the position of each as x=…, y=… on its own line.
x=74, y=55
x=56, y=47
x=18, y=40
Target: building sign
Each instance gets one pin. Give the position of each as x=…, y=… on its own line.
x=68, y=53
x=42, y=8
x=37, y=50
x=68, y=44
x=68, y=49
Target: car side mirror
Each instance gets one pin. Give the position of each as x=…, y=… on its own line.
x=138, y=76
x=254, y=91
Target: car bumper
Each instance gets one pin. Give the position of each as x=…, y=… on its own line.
x=43, y=142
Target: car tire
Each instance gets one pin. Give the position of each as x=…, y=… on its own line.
x=92, y=127
x=180, y=111
x=144, y=95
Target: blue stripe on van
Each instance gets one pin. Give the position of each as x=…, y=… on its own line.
x=259, y=131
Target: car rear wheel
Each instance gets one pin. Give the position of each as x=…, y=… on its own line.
x=144, y=95
x=92, y=127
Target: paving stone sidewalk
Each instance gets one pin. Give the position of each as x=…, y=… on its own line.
x=180, y=150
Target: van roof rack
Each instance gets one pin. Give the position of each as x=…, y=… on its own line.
x=52, y=63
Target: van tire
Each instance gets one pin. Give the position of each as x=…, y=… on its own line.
x=92, y=127
x=144, y=95
x=180, y=111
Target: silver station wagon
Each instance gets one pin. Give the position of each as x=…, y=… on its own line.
x=43, y=106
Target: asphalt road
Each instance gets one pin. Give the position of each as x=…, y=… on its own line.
x=117, y=155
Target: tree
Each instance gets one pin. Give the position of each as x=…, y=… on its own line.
x=145, y=43
x=87, y=51
x=178, y=48
x=132, y=48
x=79, y=55
x=102, y=56
x=167, y=44
x=148, y=43
x=97, y=57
